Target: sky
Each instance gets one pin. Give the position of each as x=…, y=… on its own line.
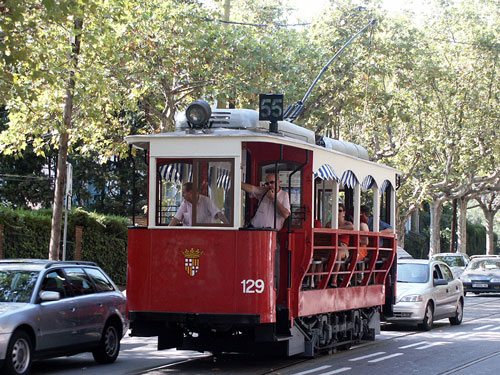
x=308, y=9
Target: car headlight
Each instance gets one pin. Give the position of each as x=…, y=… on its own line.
x=412, y=298
x=495, y=280
x=465, y=279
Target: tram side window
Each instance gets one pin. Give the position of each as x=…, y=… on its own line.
x=206, y=182
x=291, y=182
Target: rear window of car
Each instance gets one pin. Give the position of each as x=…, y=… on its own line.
x=484, y=264
x=80, y=282
x=452, y=261
x=101, y=282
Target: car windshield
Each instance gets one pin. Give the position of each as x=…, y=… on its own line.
x=450, y=260
x=413, y=273
x=17, y=285
x=485, y=264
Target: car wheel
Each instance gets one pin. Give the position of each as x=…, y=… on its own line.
x=459, y=314
x=19, y=354
x=428, y=321
x=109, y=346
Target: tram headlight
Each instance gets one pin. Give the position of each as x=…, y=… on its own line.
x=198, y=114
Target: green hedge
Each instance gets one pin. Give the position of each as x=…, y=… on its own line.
x=27, y=235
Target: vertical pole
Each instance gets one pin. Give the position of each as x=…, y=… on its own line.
x=1, y=240
x=376, y=209
x=67, y=205
x=324, y=208
x=356, y=204
x=65, y=235
x=335, y=205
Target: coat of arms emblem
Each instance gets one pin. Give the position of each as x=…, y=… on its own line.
x=192, y=260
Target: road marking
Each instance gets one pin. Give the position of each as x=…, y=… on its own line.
x=343, y=369
x=366, y=356
x=386, y=357
x=412, y=345
x=313, y=370
x=482, y=327
x=433, y=344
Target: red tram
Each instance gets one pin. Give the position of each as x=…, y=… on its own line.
x=222, y=286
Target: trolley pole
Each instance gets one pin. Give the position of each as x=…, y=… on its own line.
x=67, y=204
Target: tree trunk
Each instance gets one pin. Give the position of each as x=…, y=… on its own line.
x=490, y=244
x=415, y=218
x=55, y=234
x=462, y=225
x=400, y=228
x=435, y=230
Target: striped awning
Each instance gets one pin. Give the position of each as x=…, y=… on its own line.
x=349, y=179
x=177, y=172
x=223, y=178
x=326, y=172
x=367, y=183
x=385, y=185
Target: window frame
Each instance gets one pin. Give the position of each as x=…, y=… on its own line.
x=195, y=162
x=92, y=286
x=295, y=209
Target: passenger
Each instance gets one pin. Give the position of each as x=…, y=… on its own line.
x=363, y=240
x=383, y=226
x=363, y=243
x=343, y=251
x=264, y=215
x=206, y=210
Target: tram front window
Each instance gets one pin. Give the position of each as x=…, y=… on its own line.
x=197, y=192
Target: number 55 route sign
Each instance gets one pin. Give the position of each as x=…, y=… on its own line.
x=271, y=107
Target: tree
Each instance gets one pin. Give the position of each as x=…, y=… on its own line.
x=490, y=204
x=50, y=75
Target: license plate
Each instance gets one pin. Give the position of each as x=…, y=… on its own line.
x=479, y=285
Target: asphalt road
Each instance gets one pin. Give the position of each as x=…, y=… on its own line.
x=471, y=348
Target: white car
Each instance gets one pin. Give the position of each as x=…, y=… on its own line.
x=427, y=291
x=456, y=261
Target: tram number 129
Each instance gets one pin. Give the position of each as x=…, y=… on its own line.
x=253, y=286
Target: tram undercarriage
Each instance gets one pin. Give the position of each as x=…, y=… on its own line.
x=327, y=333
x=310, y=336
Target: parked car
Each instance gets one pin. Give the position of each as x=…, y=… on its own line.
x=403, y=254
x=427, y=291
x=51, y=309
x=456, y=261
x=482, y=275
x=484, y=256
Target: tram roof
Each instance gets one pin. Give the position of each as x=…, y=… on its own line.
x=181, y=145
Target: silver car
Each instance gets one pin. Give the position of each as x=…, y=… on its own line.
x=51, y=309
x=427, y=291
x=456, y=261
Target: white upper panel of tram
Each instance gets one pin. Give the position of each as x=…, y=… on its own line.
x=334, y=159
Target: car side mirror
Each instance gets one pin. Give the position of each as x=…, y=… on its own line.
x=440, y=282
x=49, y=296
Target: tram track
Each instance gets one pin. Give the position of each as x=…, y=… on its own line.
x=272, y=366
x=470, y=363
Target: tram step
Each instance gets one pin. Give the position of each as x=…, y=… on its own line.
x=283, y=337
